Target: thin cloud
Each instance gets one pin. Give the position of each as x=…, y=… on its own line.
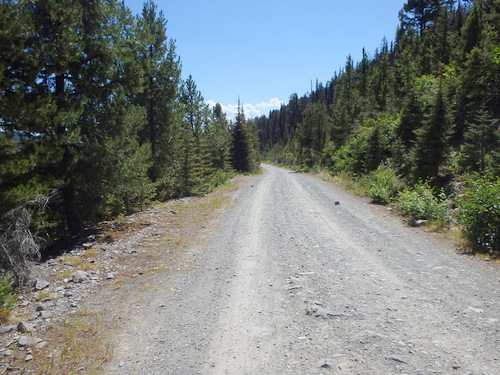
x=251, y=110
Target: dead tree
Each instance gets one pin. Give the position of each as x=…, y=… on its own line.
x=18, y=245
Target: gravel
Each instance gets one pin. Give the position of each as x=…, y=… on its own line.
x=301, y=277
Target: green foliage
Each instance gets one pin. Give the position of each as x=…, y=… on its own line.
x=220, y=178
x=369, y=145
x=244, y=144
x=92, y=108
x=432, y=142
x=7, y=297
x=382, y=185
x=420, y=202
x=481, y=149
x=479, y=213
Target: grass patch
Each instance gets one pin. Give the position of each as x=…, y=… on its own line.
x=7, y=300
x=77, y=350
x=64, y=274
x=42, y=294
x=90, y=253
x=71, y=260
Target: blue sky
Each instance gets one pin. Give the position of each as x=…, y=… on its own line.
x=264, y=50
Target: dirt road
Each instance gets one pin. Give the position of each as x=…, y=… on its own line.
x=289, y=282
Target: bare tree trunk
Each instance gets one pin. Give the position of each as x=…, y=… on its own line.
x=73, y=219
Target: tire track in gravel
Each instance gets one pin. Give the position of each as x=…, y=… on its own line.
x=287, y=282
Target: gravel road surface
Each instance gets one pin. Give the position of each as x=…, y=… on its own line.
x=301, y=277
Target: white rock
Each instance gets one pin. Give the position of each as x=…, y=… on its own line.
x=79, y=276
x=25, y=327
x=41, y=284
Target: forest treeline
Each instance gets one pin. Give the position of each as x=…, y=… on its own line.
x=418, y=121
x=95, y=117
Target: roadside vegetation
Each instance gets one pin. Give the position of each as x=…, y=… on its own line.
x=96, y=122
x=416, y=124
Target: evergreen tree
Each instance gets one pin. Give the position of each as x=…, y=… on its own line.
x=481, y=150
x=411, y=120
x=345, y=108
x=241, y=144
x=381, y=79
x=218, y=138
x=431, y=147
x=195, y=162
x=161, y=80
x=421, y=13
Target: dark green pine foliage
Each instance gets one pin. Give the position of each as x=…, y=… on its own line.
x=17, y=107
x=456, y=44
x=160, y=82
x=381, y=79
x=432, y=144
x=91, y=114
x=421, y=13
x=242, y=156
x=313, y=133
x=195, y=169
x=481, y=150
x=346, y=105
x=406, y=65
x=218, y=139
x=411, y=119
x=112, y=169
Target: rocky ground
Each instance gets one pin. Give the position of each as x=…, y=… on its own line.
x=63, y=320
x=288, y=274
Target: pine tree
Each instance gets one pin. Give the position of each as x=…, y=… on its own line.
x=195, y=166
x=431, y=147
x=421, y=13
x=241, y=147
x=218, y=138
x=411, y=119
x=481, y=150
x=160, y=82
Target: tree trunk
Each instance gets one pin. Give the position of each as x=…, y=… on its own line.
x=73, y=219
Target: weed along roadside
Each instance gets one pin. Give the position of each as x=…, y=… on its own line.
x=64, y=321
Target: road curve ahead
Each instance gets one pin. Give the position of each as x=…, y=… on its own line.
x=301, y=277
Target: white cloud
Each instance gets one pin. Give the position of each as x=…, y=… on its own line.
x=251, y=110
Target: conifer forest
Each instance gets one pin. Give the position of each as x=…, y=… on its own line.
x=96, y=121
x=415, y=124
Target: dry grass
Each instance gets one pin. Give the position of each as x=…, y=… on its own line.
x=90, y=253
x=63, y=274
x=75, y=345
x=81, y=344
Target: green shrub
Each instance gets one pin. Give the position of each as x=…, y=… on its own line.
x=382, y=185
x=420, y=202
x=479, y=213
x=220, y=178
x=7, y=298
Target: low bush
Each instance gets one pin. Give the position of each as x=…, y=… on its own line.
x=479, y=213
x=420, y=202
x=220, y=178
x=382, y=185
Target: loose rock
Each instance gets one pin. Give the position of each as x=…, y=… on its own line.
x=326, y=363
x=318, y=310
x=7, y=329
x=398, y=358
x=366, y=336
x=25, y=327
x=79, y=276
x=41, y=284
x=28, y=341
